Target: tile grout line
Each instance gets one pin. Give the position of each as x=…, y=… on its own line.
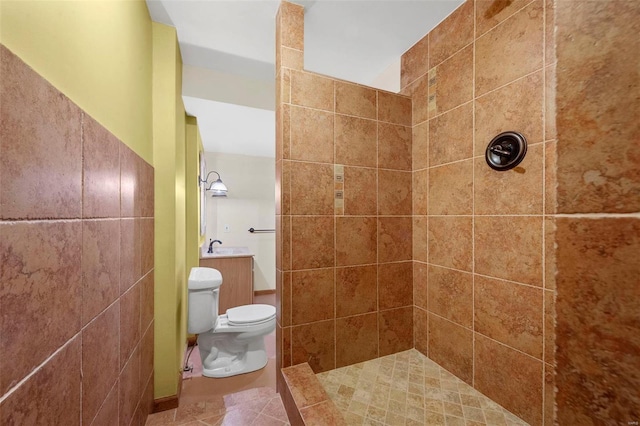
x=473, y=202
x=544, y=205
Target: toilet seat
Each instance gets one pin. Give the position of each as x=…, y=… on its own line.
x=247, y=315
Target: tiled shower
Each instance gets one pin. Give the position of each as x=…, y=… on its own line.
x=364, y=207
x=76, y=245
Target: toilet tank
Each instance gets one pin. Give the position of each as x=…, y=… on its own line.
x=204, y=289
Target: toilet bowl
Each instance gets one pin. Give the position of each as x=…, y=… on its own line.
x=232, y=343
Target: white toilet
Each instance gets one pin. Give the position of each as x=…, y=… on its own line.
x=232, y=343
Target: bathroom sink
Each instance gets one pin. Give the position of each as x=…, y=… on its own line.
x=227, y=252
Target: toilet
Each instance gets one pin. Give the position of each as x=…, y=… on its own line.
x=232, y=343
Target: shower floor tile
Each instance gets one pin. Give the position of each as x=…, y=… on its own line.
x=408, y=388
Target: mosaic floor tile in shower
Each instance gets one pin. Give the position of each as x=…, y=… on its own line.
x=408, y=388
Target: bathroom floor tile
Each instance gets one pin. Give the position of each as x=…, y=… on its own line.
x=430, y=402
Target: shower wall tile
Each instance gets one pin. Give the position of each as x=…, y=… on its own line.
x=395, y=285
x=452, y=34
x=420, y=148
x=313, y=295
x=146, y=300
x=420, y=284
x=41, y=293
x=420, y=192
x=129, y=323
x=314, y=343
x=100, y=360
x=311, y=188
x=356, y=290
x=549, y=327
x=356, y=240
x=515, y=107
x=451, y=242
x=291, y=25
x=520, y=253
x=312, y=91
x=517, y=384
x=359, y=199
x=63, y=277
x=420, y=233
x=550, y=131
x=130, y=253
x=146, y=357
x=100, y=266
x=364, y=149
x=352, y=99
x=147, y=230
x=356, y=339
x=509, y=313
x=517, y=191
x=51, y=395
x=490, y=13
x=549, y=395
x=311, y=135
x=597, y=295
x=598, y=154
x=451, y=346
x=415, y=62
x=394, y=147
x=108, y=413
x=394, y=108
x=550, y=267
x=421, y=330
x=395, y=328
x=420, y=100
x=451, y=295
x=451, y=136
x=40, y=144
x=129, y=392
x=394, y=192
x=453, y=82
x=451, y=189
x=550, y=167
x=129, y=183
x=393, y=234
x=520, y=36
x=312, y=242
x=355, y=140
x=101, y=166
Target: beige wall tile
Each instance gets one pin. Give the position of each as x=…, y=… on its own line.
x=360, y=194
x=395, y=330
x=355, y=140
x=454, y=82
x=356, y=290
x=516, y=383
x=515, y=191
x=395, y=285
x=490, y=13
x=311, y=188
x=516, y=107
x=451, y=135
x=451, y=295
x=356, y=240
x=352, y=99
x=356, y=339
x=393, y=234
x=311, y=135
x=312, y=295
x=509, y=247
x=420, y=233
x=420, y=147
x=509, y=313
x=415, y=62
x=394, y=146
x=394, y=192
x=451, y=189
x=451, y=346
x=450, y=242
x=311, y=90
x=452, y=34
x=312, y=242
x=394, y=108
x=510, y=50
x=314, y=343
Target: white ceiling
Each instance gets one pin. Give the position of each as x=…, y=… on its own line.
x=230, y=44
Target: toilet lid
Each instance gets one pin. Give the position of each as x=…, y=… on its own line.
x=250, y=314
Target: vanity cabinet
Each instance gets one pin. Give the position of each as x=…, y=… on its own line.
x=237, y=280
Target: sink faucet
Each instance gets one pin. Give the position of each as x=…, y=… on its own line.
x=211, y=245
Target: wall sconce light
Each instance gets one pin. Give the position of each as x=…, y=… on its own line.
x=217, y=188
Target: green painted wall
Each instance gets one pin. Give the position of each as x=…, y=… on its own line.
x=98, y=53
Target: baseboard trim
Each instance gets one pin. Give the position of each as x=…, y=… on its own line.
x=263, y=292
x=168, y=402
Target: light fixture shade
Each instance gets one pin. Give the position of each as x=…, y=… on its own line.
x=218, y=189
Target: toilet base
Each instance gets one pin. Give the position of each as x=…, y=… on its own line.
x=223, y=358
